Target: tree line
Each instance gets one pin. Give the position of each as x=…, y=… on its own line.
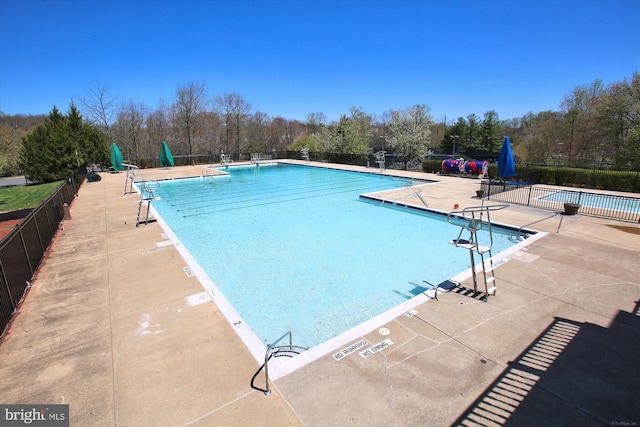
x=596, y=125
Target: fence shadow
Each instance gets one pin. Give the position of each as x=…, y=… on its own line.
x=574, y=373
x=470, y=293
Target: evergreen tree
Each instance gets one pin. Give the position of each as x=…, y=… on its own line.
x=55, y=148
x=490, y=132
x=48, y=153
x=472, y=136
x=76, y=130
x=94, y=147
x=90, y=142
x=456, y=134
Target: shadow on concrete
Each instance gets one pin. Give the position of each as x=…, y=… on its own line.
x=467, y=292
x=574, y=373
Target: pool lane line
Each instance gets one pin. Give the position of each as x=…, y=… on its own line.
x=267, y=202
x=269, y=189
x=258, y=201
x=247, y=192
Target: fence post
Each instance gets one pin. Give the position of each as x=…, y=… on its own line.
x=529, y=197
x=6, y=286
x=24, y=248
x=35, y=222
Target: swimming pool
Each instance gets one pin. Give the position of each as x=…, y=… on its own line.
x=296, y=248
x=594, y=200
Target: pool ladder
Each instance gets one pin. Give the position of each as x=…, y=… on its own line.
x=225, y=158
x=380, y=159
x=305, y=154
x=471, y=219
x=146, y=197
x=131, y=175
x=274, y=350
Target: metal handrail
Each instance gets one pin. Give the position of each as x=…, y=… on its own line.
x=131, y=174
x=381, y=159
x=305, y=154
x=267, y=356
x=470, y=219
x=472, y=223
x=520, y=233
x=480, y=208
x=148, y=192
x=256, y=157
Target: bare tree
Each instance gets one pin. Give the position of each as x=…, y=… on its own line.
x=295, y=129
x=277, y=134
x=187, y=111
x=257, y=131
x=315, y=121
x=158, y=128
x=128, y=128
x=100, y=107
x=579, y=108
x=234, y=110
x=212, y=133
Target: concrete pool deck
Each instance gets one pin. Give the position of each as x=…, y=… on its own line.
x=107, y=328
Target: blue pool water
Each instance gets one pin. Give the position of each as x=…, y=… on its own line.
x=592, y=200
x=295, y=248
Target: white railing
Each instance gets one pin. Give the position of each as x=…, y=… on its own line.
x=305, y=154
x=380, y=159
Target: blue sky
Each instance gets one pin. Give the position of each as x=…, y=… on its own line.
x=291, y=58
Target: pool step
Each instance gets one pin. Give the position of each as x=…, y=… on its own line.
x=287, y=351
x=488, y=266
x=491, y=290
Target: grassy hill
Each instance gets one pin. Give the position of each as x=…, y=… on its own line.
x=25, y=196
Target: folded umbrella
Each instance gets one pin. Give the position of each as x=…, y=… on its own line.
x=116, y=158
x=506, y=164
x=166, y=159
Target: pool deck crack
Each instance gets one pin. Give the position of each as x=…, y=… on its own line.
x=390, y=383
x=213, y=411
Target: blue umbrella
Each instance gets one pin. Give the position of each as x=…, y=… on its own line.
x=116, y=158
x=506, y=167
x=166, y=159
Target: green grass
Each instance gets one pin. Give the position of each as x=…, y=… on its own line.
x=25, y=196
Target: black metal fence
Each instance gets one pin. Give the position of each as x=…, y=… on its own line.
x=591, y=203
x=24, y=247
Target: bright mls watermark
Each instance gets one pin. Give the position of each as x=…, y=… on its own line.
x=34, y=415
